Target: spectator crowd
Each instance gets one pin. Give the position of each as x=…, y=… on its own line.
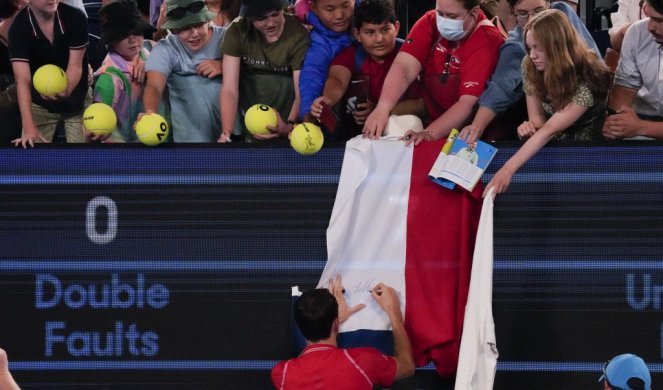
x=531, y=73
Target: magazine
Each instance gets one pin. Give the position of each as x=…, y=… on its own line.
x=460, y=163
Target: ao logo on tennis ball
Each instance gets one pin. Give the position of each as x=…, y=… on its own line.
x=152, y=129
x=306, y=138
x=258, y=117
x=50, y=80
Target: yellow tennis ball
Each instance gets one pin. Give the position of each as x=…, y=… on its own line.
x=152, y=129
x=258, y=117
x=99, y=119
x=50, y=80
x=306, y=138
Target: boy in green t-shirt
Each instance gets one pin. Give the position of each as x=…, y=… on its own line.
x=263, y=52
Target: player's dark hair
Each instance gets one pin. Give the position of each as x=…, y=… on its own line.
x=315, y=312
x=8, y=8
x=656, y=5
x=374, y=12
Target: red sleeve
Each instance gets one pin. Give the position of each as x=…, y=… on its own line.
x=480, y=59
x=277, y=375
x=380, y=369
x=346, y=59
x=422, y=36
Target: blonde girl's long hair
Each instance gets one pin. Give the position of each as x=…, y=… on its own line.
x=568, y=61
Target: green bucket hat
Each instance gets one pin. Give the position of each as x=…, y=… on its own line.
x=183, y=13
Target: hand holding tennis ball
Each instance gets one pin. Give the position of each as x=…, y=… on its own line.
x=152, y=129
x=258, y=117
x=50, y=80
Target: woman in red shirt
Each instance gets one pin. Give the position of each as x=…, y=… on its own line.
x=454, y=49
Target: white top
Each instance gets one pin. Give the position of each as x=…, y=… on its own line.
x=641, y=67
x=628, y=11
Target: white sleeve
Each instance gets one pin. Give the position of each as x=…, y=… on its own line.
x=628, y=73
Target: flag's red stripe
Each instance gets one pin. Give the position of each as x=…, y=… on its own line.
x=442, y=227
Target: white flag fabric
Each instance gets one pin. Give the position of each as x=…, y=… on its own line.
x=367, y=225
x=390, y=223
x=478, y=349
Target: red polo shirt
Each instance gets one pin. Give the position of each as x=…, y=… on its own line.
x=469, y=62
x=323, y=366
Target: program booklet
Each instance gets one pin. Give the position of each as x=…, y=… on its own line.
x=460, y=163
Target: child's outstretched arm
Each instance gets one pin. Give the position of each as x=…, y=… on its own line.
x=23, y=84
x=335, y=87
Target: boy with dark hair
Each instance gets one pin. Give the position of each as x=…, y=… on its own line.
x=49, y=32
x=322, y=364
x=376, y=30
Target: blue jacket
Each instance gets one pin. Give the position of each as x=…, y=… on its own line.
x=325, y=45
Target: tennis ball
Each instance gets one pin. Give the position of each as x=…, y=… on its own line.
x=50, y=80
x=258, y=117
x=152, y=129
x=99, y=119
x=306, y=138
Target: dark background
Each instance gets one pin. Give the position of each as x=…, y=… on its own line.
x=228, y=230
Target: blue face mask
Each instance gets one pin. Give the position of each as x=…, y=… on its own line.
x=450, y=29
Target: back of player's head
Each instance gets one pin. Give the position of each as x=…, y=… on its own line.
x=315, y=312
x=374, y=12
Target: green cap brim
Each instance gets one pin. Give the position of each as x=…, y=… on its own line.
x=189, y=20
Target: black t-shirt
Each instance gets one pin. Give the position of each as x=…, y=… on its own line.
x=28, y=43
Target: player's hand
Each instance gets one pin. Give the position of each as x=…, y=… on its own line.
x=387, y=298
x=344, y=312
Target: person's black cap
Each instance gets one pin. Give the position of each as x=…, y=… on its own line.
x=118, y=19
x=260, y=7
